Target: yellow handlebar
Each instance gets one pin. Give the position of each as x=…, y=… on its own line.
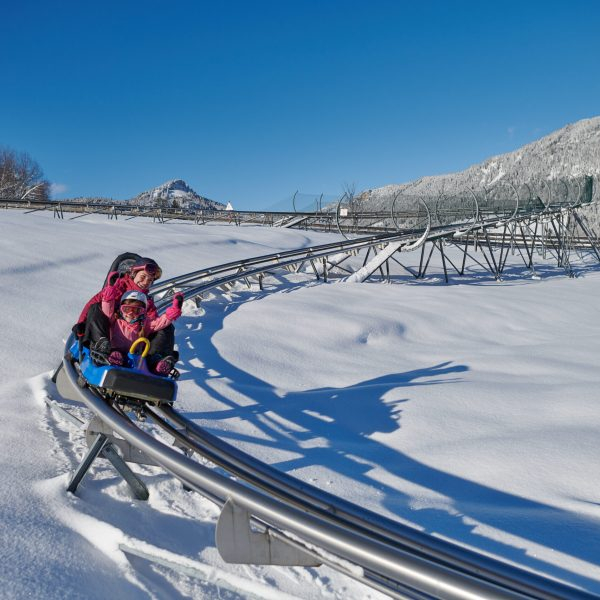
x=141, y=340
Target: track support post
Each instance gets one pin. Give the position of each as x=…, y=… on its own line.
x=238, y=543
x=101, y=442
x=87, y=461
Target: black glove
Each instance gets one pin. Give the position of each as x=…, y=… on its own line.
x=178, y=300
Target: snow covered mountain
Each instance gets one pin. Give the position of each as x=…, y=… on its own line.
x=178, y=194
x=571, y=151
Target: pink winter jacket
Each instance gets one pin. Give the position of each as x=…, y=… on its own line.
x=123, y=334
x=124, y=284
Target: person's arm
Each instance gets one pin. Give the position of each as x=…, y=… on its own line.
x=171, y=314
x=151, y=311
x=110, y=294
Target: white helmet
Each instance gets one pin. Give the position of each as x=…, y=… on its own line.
x=135, y=295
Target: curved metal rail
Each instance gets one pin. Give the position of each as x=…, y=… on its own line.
x=400, y=562
x=393, y=558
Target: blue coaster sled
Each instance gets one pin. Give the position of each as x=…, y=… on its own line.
x=132, y=381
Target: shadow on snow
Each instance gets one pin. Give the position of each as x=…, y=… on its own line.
x=334, y=427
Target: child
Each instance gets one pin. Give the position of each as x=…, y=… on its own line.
x=141, y=275
x=113, y=325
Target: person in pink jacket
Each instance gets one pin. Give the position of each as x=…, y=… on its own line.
x=141, y=275
x=120, y=319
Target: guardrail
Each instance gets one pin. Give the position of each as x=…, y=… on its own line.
x=504, y=201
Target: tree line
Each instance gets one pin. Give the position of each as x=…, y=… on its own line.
x=21, y=176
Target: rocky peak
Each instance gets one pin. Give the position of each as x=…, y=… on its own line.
x=176, y=193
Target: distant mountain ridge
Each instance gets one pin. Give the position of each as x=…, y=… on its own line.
x=571, y=151
x=176, y=194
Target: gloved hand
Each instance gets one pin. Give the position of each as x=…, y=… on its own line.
x=113, y=277
x=174, y=311
x=111, y=293
x=115, y=286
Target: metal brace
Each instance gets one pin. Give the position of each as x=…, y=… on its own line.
x=128, y=452
x=101, y=442
x=238, y=543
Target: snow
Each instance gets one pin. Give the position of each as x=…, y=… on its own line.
x=466, y=410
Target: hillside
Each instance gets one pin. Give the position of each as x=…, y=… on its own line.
x=571, y=151
x=178, y=194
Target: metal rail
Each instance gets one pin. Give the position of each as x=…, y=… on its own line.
x=300, y=524
x=351, y=216
x=403, y=572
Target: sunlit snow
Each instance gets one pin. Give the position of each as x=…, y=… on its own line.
x=468, y=410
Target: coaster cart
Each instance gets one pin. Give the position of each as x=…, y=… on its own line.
x=131, y=385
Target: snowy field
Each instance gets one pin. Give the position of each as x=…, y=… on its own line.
x=469, y=411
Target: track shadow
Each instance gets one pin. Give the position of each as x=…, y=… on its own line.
x=335, y=427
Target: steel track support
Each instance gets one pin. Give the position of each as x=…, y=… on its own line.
x=464, y=260
x=528, y=264
x=586, y=231
x=367, y=256
x=315, y=271
x=453, y=265
x=504, y=255
x=489, y=245
x=238, y=543
x=559, y=244
x=487, y=260
x=520, y=252
x=537, y=224
x=423, y=270
x=441, y=249
x=87, y=461
x=473, y=258
x=411, y=271
x=421, y=261
x=137, y=486
x=102, y=443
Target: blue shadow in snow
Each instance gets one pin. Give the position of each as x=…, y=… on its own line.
x=340, y=422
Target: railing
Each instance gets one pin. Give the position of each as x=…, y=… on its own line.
x=401, y=212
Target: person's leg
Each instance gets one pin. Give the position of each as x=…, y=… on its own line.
x=162, y=343
x=97, y=338
x=97, y=326
x=163, y=356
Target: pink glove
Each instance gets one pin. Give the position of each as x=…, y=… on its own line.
x=113, y=277
x=174, y=311
x=111, y=293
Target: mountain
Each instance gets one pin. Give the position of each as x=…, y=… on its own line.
x=569, y=152
x=176, y=193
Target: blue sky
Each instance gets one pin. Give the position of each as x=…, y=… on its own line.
x=249, y=101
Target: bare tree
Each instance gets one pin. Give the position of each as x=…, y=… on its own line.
x=21, y=176
x=349, y=190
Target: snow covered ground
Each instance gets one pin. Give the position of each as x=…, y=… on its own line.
x=467, y=410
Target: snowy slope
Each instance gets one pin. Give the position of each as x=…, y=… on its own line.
x=467, y=410
x=571, y=151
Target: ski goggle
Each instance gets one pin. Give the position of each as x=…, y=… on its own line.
x=132, y=310
x=151, y=268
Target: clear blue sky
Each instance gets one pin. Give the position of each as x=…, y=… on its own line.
x=249, y=101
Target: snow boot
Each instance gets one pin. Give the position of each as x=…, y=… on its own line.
x=116, y=358
x=164, y=366
x=100, y=350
